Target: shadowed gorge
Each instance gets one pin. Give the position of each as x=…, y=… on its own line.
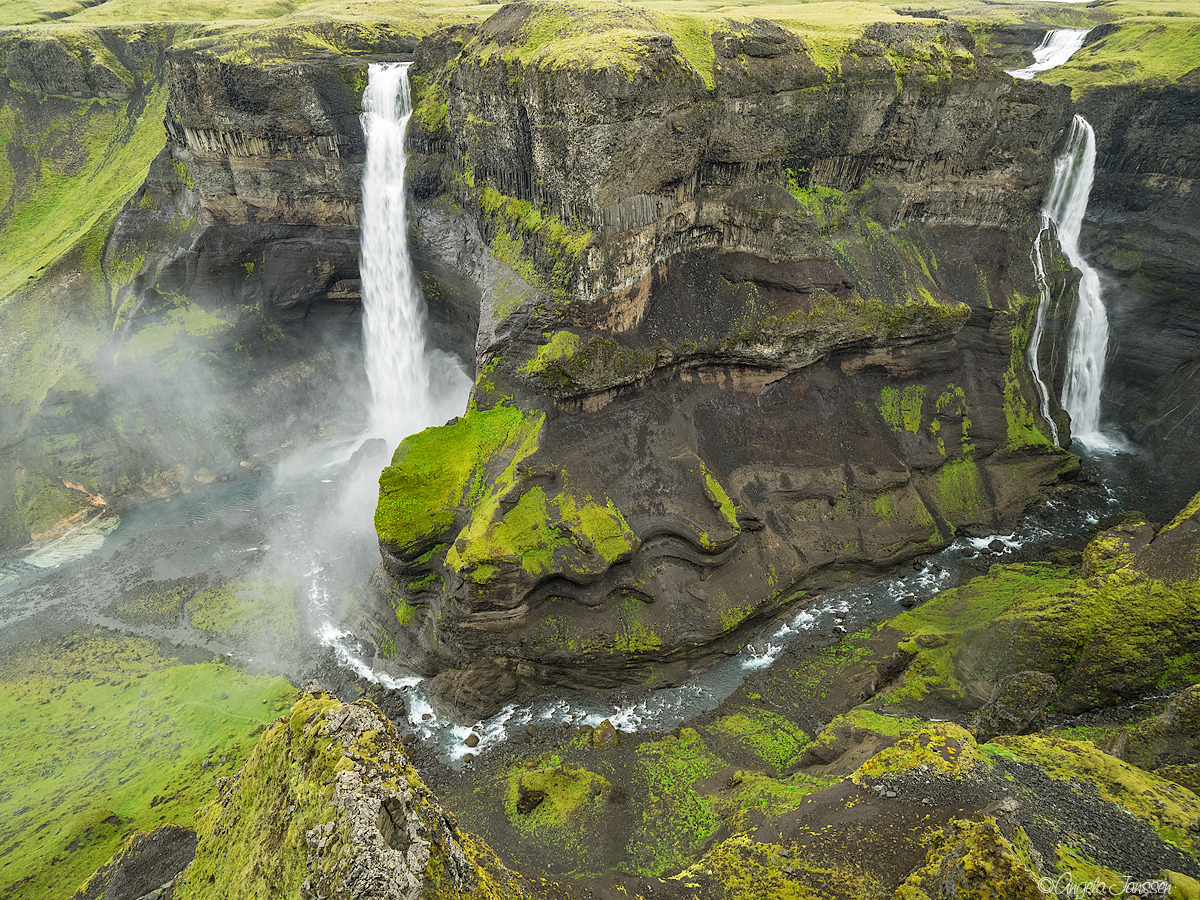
x=584, y=450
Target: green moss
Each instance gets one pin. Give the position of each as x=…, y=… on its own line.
x=437, y=471
x=175, y=337
x=826, y=204
x=742, y=868
x=1191, y=509
x=960, y=491
x=430, y=112
x=567, y=805
x=405, y=613
x=901, y=409
x=942, y=747
x=775, y=740
x=676, y=819
x=541, y=534
x=935, y=629
x=717, y=495
x=561, y=345
x=633, y=634
x=1166, y=806
x=261, y=609
x=539, y=247
x=983, y=861
x=107, y=737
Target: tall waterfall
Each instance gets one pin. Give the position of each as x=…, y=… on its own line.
x=1065, y=206
x=1039, y=329
x=398, y=366
x=1056, y=48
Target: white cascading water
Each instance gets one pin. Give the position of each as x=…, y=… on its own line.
x=399, y=368
x=1056, y=48
x=1065, y=206
x=1039, y=329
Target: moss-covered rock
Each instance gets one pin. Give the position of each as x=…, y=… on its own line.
x=974, y=861
x=328, y=805
x=938, y=748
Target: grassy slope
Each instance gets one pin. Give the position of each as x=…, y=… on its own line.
x=109, y=737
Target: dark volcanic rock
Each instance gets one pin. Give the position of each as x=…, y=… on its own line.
x=1018, y=705
x=736, y=342
x=1144, y=236
x=146, y=863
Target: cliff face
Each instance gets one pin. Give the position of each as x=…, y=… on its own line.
x=748, y=328
x=1143, y=216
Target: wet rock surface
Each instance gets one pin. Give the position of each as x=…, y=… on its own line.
x=766, y=346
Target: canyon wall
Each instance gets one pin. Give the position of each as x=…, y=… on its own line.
x=1144, y=227
x=749, y=327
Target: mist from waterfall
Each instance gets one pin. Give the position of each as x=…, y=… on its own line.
x=412, y=385
x=1056, y=48
x=1065, y=206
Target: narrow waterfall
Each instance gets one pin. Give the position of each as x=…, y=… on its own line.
x=1065, y=206
x=1056, y=48
x=1039, y=329
x=398, y=366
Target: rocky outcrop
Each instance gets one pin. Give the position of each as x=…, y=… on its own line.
x=327, y=807
x=747, y=329
x=144, y=868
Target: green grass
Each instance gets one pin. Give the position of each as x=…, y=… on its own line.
x=676, y=819
x=91, y=156
x=775, y=740
x=262, y=609
x=107, y=738
x=1144, y=49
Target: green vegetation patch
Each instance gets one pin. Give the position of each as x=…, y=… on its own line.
x=175, y=337
x=960, y=491
x=742, y=868
x=539, y=247
x=76, y=162
x=901, y=409
x=560, y=345
x=1166, y=806
x=676, y=818
x=439, y=470
x=942, y=747
x=985, y=863
x=559, y=804
x=1143, y=49
x=935, y=628
x=775, y=740
x=541, y=534
x=103, y=737
x=264, y=608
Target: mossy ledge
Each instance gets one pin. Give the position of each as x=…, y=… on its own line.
x=327, y=805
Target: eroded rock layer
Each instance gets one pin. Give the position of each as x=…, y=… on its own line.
x=749, y=326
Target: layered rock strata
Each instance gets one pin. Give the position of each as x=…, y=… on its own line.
x=749, y=327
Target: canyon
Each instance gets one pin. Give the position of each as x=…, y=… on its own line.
x=758, y=312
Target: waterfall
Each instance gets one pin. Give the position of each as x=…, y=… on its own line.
x=1039, y=329
x=1056, y=48
x=398, y=365
x=1065, y=206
